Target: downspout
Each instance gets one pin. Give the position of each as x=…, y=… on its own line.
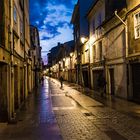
x=126, y=49
x=126, y=33
x=10, y=63
x=11, y=96
x=89, y=51
x=24, y=63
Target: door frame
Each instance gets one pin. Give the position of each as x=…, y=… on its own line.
x=111, y=85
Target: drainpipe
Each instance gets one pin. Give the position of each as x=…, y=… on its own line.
x=10, y=46
x=126, y=42
x=126, y=32
x=89, y=65
x=24, y=65
x=12, y=114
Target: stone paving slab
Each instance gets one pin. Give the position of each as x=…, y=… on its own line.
x=75, y=126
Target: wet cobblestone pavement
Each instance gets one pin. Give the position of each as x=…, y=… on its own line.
x=97, y=122
x=51, y=113
x=36, y=120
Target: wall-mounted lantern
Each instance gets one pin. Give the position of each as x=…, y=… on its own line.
x=71, y=54
x=84, y=40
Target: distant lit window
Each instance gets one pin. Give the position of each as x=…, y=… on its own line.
x=15, y=14
x=137, y=25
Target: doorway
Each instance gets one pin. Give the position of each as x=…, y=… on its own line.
x=136, y=81
x=16, y=87
x=85, y=78
x=112, y=81
x=3, y=92
x=98, y=75
x=21, y=86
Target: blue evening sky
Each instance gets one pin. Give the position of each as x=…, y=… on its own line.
x=52, y=17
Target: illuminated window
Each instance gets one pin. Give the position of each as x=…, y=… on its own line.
x=137, y=25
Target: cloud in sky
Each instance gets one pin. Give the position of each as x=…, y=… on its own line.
x=52, y=17
x=65, y=34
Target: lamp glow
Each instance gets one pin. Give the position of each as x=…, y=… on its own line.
x=83, y=40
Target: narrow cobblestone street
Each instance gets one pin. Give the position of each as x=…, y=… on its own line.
x=51, y=113
x=69, y=69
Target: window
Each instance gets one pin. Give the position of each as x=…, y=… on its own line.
x=77, y=34
x=21, y=4
x=15, y=14
x=93, y=26
x=99, y=19
x=100, y=50
x=21, y=31
x=137, y=25
x=94, y=53
x=86, y=56
x=15, y=41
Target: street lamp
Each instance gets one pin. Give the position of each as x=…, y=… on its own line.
x=71, y=54
x=84, y=39
x=85, y=43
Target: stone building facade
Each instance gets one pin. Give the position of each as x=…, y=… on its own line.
x=61, y=60
x=35, y=55
x=133, y=50
x=107, y=48
x=112, y=48
x=5, y=62
x=15, y=62
x=96, y=16
x=80, y=28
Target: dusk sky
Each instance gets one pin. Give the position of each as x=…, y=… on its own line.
x=52, y=17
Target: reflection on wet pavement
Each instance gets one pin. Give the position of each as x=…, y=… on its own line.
x=60, y=100
x=36, y=121
x=121, y=105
